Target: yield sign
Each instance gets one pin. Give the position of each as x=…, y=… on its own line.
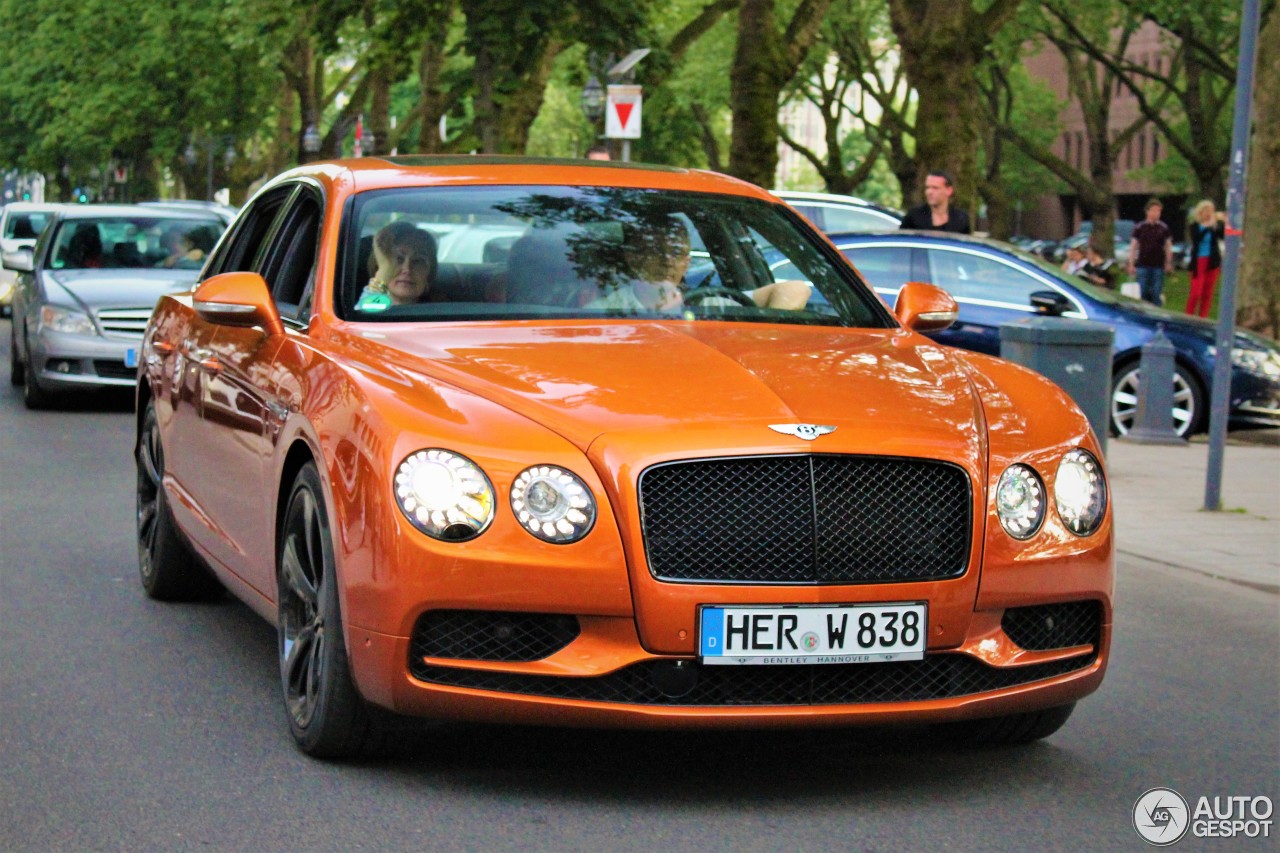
x=622, y=112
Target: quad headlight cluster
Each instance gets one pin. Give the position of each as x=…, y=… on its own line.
x=448, y=497
x=1079, y=495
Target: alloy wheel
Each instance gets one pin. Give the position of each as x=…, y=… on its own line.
x=302, y=624
x=1124, y=402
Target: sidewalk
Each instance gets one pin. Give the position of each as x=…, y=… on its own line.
x=1158, y=494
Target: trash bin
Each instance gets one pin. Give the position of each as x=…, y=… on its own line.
x=1076, y=354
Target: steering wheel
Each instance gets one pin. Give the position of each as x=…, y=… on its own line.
x=698, y=295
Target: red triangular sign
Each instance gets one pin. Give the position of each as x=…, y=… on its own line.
x=624, y=112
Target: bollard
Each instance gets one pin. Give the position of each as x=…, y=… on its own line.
x=1153, y=423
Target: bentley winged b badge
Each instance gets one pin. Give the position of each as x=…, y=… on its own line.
x=806, y=431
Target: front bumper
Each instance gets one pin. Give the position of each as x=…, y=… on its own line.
x=62, y=361
x=605, y=678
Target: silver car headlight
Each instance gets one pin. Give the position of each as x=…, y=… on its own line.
x=1080, y=492
x=553, y=504
x=1261, y=361
x=66, y=321
x=444, y=495
x=1020, y=502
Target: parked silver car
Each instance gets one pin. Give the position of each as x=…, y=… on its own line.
x=87, y=288
x=838, y=214
x=20, y=224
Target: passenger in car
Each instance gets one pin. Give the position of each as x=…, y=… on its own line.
x=85, y=249
x=403, y=267
x=656, y=252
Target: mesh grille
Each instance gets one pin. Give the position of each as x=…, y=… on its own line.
x=936, y=677
x=493, y=636
x=806, y=519
x=1054, y=626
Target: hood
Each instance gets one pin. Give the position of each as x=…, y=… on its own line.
x=886, y=390
x=95, y=290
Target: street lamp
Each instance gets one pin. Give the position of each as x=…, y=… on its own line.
x=592, y=100
x=311, y=141
x=192, y=156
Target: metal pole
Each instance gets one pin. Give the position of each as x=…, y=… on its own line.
x=209, y=174
x=1231, y=259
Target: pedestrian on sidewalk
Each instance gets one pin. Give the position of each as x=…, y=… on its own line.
x=937, y=214
x=1204, y=255
x=1151, y=253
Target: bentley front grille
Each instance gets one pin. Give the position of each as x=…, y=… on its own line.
x=806, y=519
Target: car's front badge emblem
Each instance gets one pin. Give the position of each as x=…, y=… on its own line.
x=806, y=431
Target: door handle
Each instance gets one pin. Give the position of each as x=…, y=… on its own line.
x=204, y=359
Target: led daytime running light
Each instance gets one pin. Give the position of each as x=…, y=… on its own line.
x=553, y=504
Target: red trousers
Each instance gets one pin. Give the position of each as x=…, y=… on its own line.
x=1203, y=280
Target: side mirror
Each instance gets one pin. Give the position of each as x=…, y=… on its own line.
x=237, y=299
x=19, y=260
x=1051, y=303
x=924, y=308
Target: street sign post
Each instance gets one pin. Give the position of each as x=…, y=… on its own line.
x=622, y=115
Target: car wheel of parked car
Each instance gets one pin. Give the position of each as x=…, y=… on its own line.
x=327, y=716
x=1011, y=730
x=166, y=566
x=15, y=363
x=1188, y=400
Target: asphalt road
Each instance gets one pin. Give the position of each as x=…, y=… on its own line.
x=131, y=725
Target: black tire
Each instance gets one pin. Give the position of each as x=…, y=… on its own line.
x=1190, y=404
x=167, y=568
x=34, y=395
x=1012, y=730
x=327, y=716
x=16, y=371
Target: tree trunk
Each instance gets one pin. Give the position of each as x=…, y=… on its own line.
x=942, y=42
x=763, y=61
x=1258, y=302
x=753, y=98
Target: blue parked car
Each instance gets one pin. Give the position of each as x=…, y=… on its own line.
x=993, y=282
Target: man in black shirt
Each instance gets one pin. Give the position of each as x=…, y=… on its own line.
x=937, y=214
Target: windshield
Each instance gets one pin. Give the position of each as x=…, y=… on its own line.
x=25, y=226
x=134, y=241
x=449, y=253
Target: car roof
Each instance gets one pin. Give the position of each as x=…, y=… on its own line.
x=32, y=206
x=102, y=211
x=367, y=173
x=834, y=198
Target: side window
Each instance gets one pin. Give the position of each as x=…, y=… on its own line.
x=840, y=219
x=239, y=252
x=885, y=268
x=967, y=276
x=289, y=262
x=813, y=214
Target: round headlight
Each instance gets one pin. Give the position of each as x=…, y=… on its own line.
x=553, y=504
x=444, y=495
x=1020, y=501
x=1080, y=491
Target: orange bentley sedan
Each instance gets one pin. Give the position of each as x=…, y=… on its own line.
x=548, y=442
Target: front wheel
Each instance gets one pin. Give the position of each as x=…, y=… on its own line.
x=1010, y=730
x=1188, y=400
x=327, y=716
x=16, y=373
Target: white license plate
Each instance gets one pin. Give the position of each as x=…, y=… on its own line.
x=808, y=634
x=131, y=357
